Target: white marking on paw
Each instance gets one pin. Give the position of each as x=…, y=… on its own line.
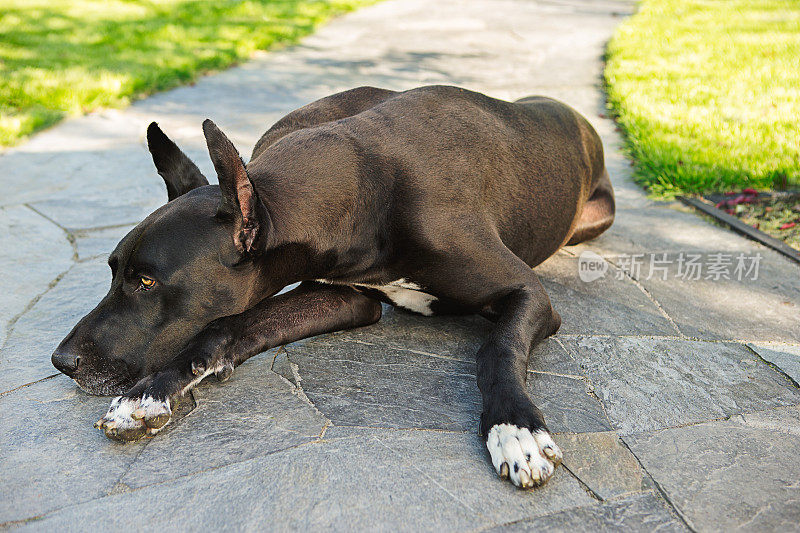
x=149, y=407
x=148, y=411
x=530, y=459
x=119, y=413
x=548, y=447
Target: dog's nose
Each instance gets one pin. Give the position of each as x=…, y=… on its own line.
x=66, y=363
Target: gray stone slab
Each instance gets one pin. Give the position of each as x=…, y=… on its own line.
x=611, y=305
x=762, y=309
x=760, y=305
x=359, y=384
x=642, y=512
x=99, y=242
x=457, y=337
x=666, y=228
x=461, y=463
x=254, y=413
x=50, y=455
x=330, y=486
x=454, y=337
x=26, y=355
x=729, y=475
x=367, y=385
x=97, y=209
x=97, y=152
x=648, y=384
x=786, y=357
x=603, y=463
x=34, y=252
x=420, y=481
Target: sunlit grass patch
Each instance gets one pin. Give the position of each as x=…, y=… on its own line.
x=708, y=93
x=65, y=57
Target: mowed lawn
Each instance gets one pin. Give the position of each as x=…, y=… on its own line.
x=708, y=93
x=65, y=57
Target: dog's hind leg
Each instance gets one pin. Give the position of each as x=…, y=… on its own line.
x=597, y=214
x=310, y=309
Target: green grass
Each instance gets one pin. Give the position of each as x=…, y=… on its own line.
x=708, y=93
x=65, y=57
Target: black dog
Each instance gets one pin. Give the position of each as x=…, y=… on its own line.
x=437, y=200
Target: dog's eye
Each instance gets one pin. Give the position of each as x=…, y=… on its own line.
x=146, y=283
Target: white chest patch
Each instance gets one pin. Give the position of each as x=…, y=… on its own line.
x=402, y=293
x=407, y=295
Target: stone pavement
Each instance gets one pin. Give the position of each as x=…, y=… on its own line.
x=675, y=400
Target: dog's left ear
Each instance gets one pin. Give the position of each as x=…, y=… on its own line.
x=239, y=200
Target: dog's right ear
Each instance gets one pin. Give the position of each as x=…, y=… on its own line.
x=178, y=171
x=240, y=201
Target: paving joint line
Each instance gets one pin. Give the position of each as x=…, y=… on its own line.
x=28, y=384
x=297, y=388
x=70, y=236
x=585, y=486
x=660, y=489
x=590, y=388
x=11, y=324
x=773, y=366
x=649, y=297
x=435, y=482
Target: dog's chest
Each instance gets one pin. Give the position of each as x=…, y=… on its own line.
x=402, y=293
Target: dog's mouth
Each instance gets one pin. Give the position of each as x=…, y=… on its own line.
x=104, y=387
x=113, y=379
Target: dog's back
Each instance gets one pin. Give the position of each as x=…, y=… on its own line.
x=524, y=169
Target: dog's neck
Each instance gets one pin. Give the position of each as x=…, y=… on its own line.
x=311, y=231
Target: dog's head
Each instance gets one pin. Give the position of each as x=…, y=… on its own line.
x=190, y=262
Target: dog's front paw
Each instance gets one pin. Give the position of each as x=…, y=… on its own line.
x=528, y=459
x=130, y=419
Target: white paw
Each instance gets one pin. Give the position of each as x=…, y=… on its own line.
x=130, y=419
x=155, y=413
x=528, y=459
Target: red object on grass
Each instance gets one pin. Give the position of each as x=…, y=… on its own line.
x=747, y=196
x=788, y=225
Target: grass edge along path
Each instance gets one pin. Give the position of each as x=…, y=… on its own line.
x=707, y=93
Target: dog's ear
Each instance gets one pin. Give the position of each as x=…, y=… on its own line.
x=239, y=200
x=178, y=171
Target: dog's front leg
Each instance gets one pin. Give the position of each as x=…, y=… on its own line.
x=516, y=436
x=310, y=309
